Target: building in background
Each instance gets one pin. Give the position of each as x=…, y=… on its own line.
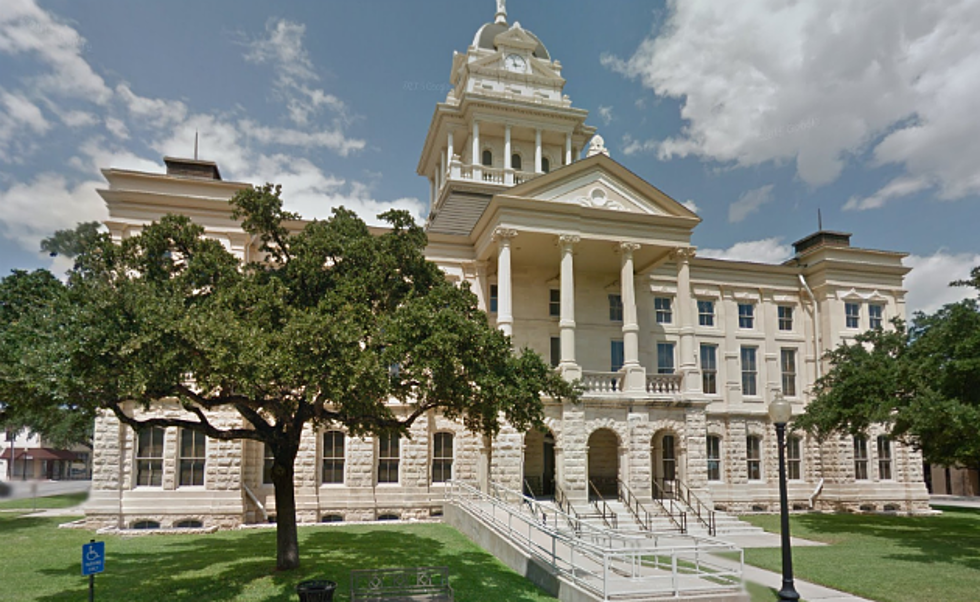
x=583, y=261
x=34, y=459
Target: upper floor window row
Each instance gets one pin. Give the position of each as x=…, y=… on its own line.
x=191, y=459
x=785, y=317
x=706, y=312
x=852, y=315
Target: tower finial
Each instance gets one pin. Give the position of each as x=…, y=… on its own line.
x=501, y=16
x=195, y=145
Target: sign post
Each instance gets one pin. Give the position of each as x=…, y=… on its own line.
x=93, y=561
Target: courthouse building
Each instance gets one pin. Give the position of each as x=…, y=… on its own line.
x=580, y=259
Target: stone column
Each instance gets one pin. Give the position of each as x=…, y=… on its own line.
x=568, y=148
x=575, y=453
x=441, y=173
x=508, y=165
x=450, y=148
x=537, y=151
x=691, y=378
x=477, y=159
x=432, y=193
x=505, y=316
x=566, y=323
x=635, y=374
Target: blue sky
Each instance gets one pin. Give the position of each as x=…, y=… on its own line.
x=758, y=112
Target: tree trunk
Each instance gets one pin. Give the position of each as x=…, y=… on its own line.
x=287, y=542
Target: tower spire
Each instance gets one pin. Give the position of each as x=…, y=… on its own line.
x=501, y=16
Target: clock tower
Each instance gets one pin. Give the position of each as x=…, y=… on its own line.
x=504, y=122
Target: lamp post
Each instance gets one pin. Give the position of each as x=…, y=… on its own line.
x=780, y=412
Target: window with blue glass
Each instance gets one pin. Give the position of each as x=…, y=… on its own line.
x=665, y=358
x=746, y=315
x=616, y=353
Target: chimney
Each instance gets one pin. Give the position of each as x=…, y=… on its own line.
x=192, y=168
x=822, y=238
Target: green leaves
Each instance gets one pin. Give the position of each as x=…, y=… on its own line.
x=924, y=384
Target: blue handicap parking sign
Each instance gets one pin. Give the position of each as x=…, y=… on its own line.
x=93, y=558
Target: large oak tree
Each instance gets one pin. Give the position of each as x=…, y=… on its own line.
x=333, y=323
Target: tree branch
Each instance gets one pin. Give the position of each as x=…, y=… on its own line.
x=202, y=426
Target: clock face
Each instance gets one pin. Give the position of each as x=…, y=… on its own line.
x=515, y=62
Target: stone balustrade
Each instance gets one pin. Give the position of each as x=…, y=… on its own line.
x=664, y=383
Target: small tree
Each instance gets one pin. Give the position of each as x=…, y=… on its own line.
x=332, y=324
x=923, y=383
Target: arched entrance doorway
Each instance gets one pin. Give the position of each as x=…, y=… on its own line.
x=539, y=463
x=604, y=462
x=664, y=455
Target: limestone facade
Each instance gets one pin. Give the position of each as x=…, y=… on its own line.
x=592, y=267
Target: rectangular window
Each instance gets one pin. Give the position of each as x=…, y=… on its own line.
x=746, y=315
x=664, y=314
x=616, y=353
x=706, y=313
x=794, y=458
x=493, y=298
x=749, y=371
x=709, y=369
x=442, y=457
x=555, y=351
x=554, y=302
x=787, y=359
x=852, y=315
x=192, y=455
x=149, y=457
x=388, y=457
x=860, y=458
x=785, y=317
x=884, y=459
x=333, y=457
x=665, y=358
x=714, y=458
x=875, y=313
x=753, y=457
x=615, y=308
x=267, y=461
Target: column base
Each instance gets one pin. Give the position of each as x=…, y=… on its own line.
x=570, y=372
x=635, y=379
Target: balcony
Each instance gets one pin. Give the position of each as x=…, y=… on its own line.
x=612, y=383
x=491, y=175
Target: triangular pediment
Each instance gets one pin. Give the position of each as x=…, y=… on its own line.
x=515, y=37
x=601, y=183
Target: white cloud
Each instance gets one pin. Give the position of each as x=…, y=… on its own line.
x=27, y=29
x=691, y=205
x=332, y=139
x=97, y=153
x=283, y=47
x=632, y=146
x=897, y=188
x=818, y=82
x=117, y=128
x=33, y=211
x=21, y=110
x=928, y=282
x=767, y=250
x=76, y=119
x=605, y=114
x=749, y=202
x=156, y=112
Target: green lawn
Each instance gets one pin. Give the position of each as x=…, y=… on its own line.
x=67, y=500
x=884, y=558
x=38, y=561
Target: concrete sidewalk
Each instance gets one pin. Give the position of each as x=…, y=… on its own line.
x=960, y=501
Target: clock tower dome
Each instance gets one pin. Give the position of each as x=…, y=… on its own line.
x=505, y=121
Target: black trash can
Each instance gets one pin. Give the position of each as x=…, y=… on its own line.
x=316, y=591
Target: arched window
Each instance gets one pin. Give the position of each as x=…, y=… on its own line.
x=488, y=158
x=442, y=457
x=331, y=518
x=714, y=458
x=145, y=524
x=545, y=164
x=515, y=162
x=753, y=457
x=333, y=457
x=189, y=524
x=794, y=458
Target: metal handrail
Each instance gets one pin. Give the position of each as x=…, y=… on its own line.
x=605, y=512
x=678, y=517
x=566, y=508
x=682, y=493
x=634, y=506
x=611, y=560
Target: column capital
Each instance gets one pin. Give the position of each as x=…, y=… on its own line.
x=567, y=240
x=683, y=253
x=501, y=234
x=627, y=248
